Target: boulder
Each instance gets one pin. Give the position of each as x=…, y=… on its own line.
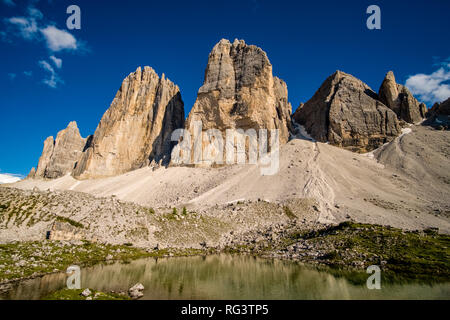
x=136, y=291
x=86, y=293
x=400, y=100
x=346, y=112
x=136, y=129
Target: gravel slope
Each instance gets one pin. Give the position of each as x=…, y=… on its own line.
x=404, y=184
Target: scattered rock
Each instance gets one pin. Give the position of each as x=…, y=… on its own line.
x=86, y=293
x=136, y=291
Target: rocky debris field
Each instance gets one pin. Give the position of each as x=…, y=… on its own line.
x=27, y=215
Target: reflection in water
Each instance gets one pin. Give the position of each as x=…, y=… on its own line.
x=224, y=277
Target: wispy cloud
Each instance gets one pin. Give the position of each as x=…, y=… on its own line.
x=9, y=178
x=54, y=78
x=23, y=27
x=12, y=76
x=56, y=61
x=28, y=73
x=9, y=3
x=34, y=13
x=432, y=87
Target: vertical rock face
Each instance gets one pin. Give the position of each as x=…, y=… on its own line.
x=346, y=112
x=401, y=101
x=60, y=156
x=240, y=92
x=137, y=127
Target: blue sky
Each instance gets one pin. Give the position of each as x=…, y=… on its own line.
x=51, y=75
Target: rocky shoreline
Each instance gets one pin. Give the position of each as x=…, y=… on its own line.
x=349, y=248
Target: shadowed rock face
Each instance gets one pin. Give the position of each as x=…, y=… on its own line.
x=346, y=113
x=137, y=127
x=401, y=101
x=239, y=91
x=60, y=156
x=442, y=108
x=439, y=116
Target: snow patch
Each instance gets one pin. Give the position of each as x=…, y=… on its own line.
x=301, y=133
x=9, y=178
x=405, y=131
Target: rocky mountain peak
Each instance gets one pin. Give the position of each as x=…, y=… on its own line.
x=346, y=112
x=60, y=155
x=400, y=100
x=240, y=91
x=137, y=127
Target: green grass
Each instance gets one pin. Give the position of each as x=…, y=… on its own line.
x=70, y=221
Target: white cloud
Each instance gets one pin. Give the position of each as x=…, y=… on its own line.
x=9, y=3
x=28, y=73
x=54, y=78
x=58, y=39
x=56, y=61
x=44, y=64
x=9, y=178
x=431, y=87
x=26, y=27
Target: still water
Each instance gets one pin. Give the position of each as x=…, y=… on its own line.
x=224, y=277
